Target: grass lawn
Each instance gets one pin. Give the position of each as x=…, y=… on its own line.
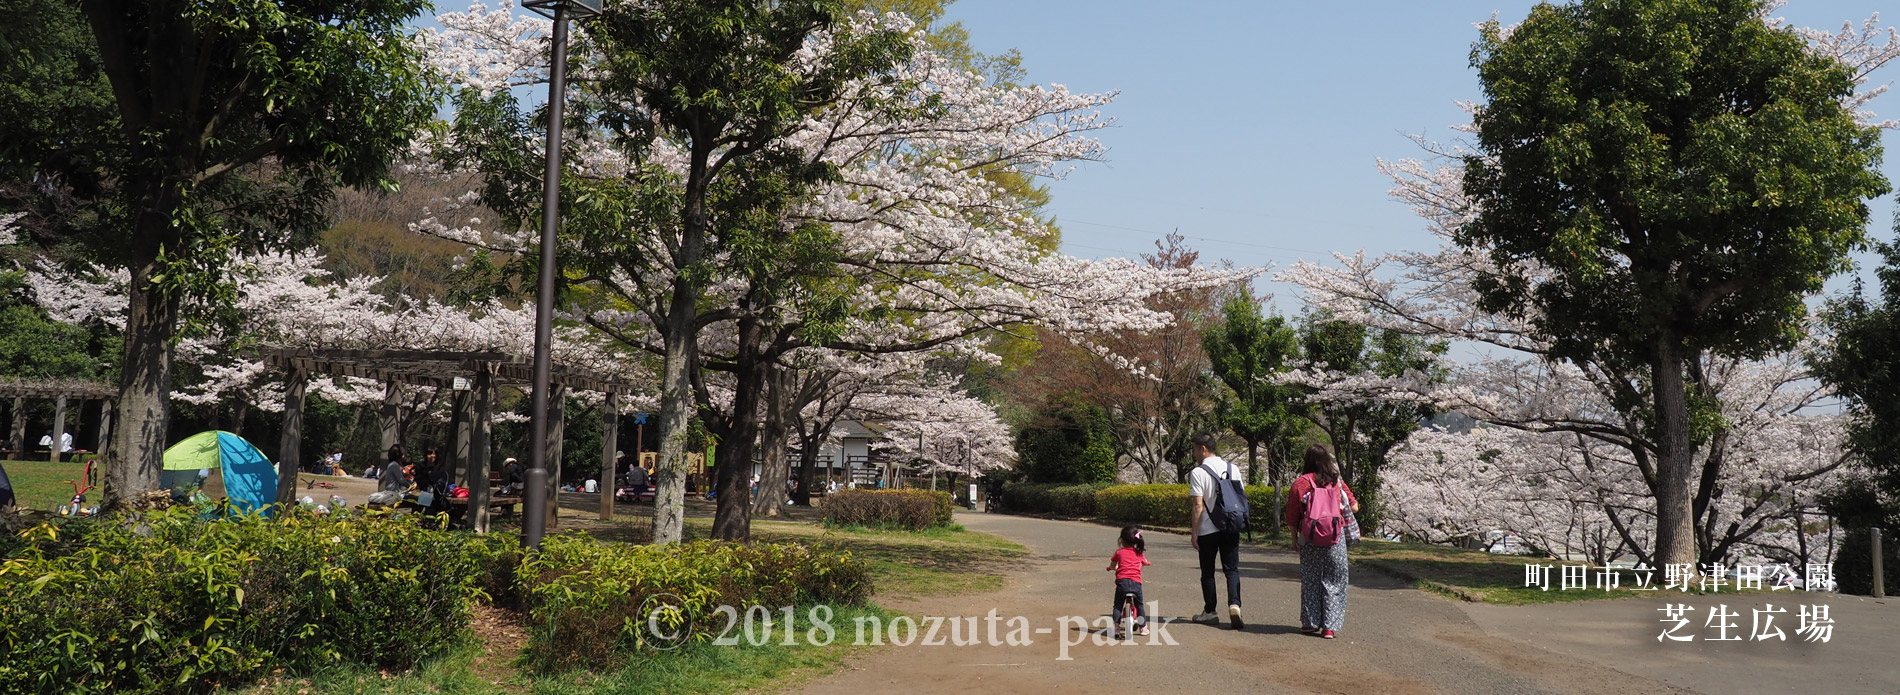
x=41, y=485
x=1482, y=577
x=1474, y=575
x=937, y=562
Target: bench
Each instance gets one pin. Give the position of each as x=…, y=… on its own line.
x=505, y=503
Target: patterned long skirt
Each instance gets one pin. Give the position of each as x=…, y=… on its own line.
x=1323, y=579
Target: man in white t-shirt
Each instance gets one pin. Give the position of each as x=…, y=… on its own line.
x=1209, y=541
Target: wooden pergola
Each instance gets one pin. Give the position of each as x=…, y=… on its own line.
x=62, y=392
x=473, y=377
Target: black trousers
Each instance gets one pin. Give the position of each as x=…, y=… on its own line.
x=1227, y=545
x=1125, y=588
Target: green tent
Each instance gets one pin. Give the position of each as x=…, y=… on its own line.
x=250, y=480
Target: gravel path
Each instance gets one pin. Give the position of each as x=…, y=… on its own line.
x=1396, y=639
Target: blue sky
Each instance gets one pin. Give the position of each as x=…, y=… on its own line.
x=1253, y=127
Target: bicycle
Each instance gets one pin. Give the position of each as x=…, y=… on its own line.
x=80, y=488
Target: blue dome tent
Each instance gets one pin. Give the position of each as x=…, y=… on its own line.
x=250, y=480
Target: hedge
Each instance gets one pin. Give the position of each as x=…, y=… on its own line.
x=172, y=603
x=588, y=602
x=1169, y=505
x=1064, y=499
x=1152, y=504
x=908, y=509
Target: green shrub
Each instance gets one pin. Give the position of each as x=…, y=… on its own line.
x=588, y=602
x=1052, y=498
x=1169, y=505
x=915, y=510
x=174, y=603
x=1158, y=505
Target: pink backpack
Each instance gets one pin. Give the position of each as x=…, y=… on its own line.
x=1320, y=526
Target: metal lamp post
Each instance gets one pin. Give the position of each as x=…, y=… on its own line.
x=534, y=504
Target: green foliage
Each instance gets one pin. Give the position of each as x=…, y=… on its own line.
x=1247, y=350
x=156, y=138
x=587, y=601
x=1854, y=565
x=1364, y=430
x=914, y=510
x=173, y=603
x=1068, y=443
x=1156, y=504
x=1052, y=498
x=1683, y=171
x=1656, y=180
x=1170, y=504
x=1862, y=364
x=33, y=345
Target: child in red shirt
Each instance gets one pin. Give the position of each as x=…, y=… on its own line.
x=1126, y=563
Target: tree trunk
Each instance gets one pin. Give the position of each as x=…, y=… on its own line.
x=1253, y=462
x=777, y=467
x=676, y=400
x=680, y=332
x=1675, y=516
x=810, y=441
x=733, y=519
x=136, y=458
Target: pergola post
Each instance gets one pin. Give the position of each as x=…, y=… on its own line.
x=16, y=441
x=557, y=432
x=105, y=426
x=478, y=492
x=59, y=426
x=459, y=463
x=392, y=414
x=290, y=443
x=609, y=441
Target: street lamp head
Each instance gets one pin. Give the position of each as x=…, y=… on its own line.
x=574, y=9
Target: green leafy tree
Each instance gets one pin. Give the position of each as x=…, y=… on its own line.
x=1067, y=442
x=1656, y=180
x=180, y=131
x=1862, y=364
x=33, y=345
x=1363, y=430
x=1247, y=350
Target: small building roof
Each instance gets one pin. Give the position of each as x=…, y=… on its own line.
x=437, y=368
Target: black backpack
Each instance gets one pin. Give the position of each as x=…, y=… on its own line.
x=1229, y=511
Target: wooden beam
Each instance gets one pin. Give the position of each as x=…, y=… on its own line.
x=609, y=443
x=459, y=407
x=290, y=442
x=54, y=388
x=391, y=415
x=394, y=355
x=478, y=492
x=382, y=374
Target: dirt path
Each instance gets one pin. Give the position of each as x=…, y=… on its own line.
x=1396, y=639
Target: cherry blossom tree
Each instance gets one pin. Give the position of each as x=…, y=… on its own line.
x=924, y=248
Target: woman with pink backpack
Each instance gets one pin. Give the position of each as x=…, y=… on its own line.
x=1319, y=510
